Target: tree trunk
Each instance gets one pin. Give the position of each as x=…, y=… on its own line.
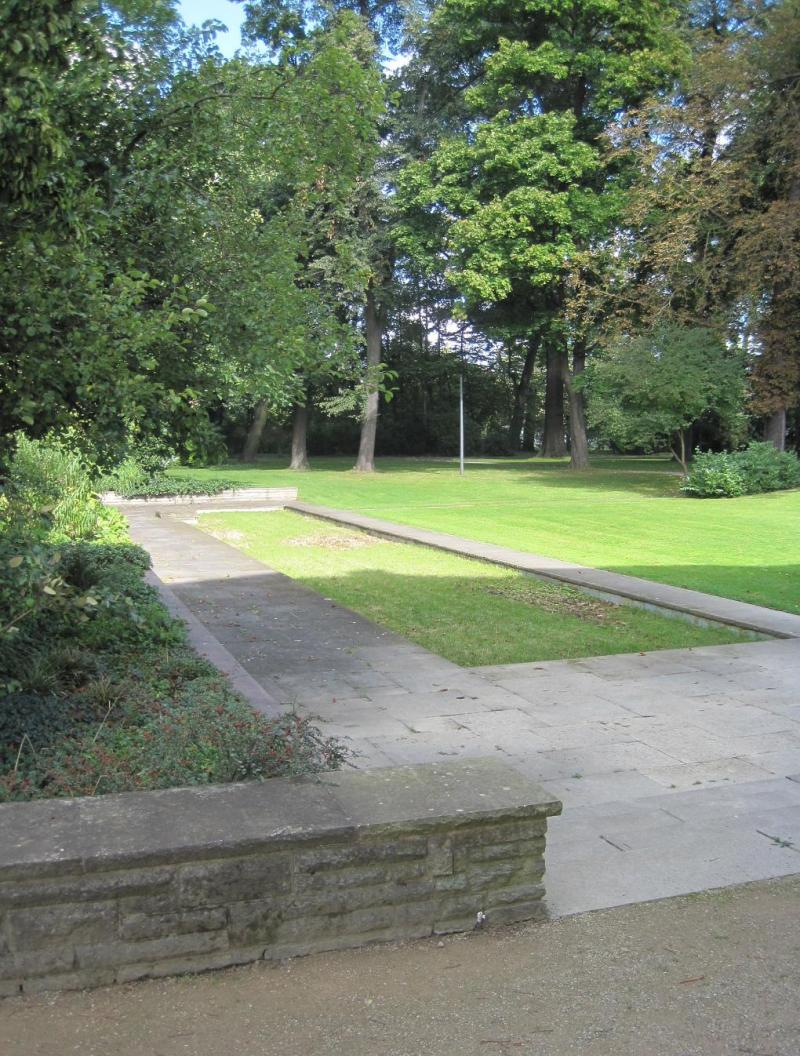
x=521, y=393
x=554, y=443
x=369, y=426
x=255, y=432
x=579, y=446
x=302, y=413
x=680, y=454
x=775, y=429
x=529, y=427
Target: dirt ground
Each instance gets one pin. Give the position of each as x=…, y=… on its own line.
x=717, y=973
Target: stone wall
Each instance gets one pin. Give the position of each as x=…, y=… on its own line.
x=122, y=887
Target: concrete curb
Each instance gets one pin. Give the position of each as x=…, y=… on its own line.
x=676, y=600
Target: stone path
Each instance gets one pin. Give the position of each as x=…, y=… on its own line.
x=679, y=770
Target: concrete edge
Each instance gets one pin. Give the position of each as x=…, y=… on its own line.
x=211, y=649
x=89, y=835
x=697, y=606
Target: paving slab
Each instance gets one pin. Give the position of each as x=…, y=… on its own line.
x=710, y=735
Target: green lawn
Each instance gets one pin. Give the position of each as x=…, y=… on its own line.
x=626, y=514
x=468, y=611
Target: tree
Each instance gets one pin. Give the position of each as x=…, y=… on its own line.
x=523, y=188
x=650, y=389
x=767, y=250
x=286, y=25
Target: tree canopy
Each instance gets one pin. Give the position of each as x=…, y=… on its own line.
x=374, y=196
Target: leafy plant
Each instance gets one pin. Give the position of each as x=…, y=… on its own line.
x=713, y=475
x=760, y=467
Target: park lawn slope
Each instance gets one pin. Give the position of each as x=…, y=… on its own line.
x=625, y=515
x=470, y=612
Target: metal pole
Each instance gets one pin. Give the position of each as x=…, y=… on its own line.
x=461, y=423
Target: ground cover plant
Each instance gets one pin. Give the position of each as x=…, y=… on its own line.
x=99, y=690
x=142, y=476
x=470, y=612
x=625, y=514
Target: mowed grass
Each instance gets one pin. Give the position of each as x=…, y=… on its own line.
x=471, y=612
x=625, y=514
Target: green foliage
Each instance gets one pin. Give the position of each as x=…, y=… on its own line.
x=177, y=723
x=153, y=487
x=99, y=690
x=50, y=482
x=760, y=467
x=764, y=468
x=714, y=475
x=651, y=387
x=134, y=479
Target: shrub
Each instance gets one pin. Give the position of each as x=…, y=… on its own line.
x=712, y=476
x=764, y=468
x=760, y=467
x=176, y=723
x=99, y=691
x=132, y=480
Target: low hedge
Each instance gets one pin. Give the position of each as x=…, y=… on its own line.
x=132, y=480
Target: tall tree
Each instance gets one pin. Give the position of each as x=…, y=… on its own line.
x=286, y=25
x=518, y=194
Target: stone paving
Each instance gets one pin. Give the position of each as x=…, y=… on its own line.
x=679, y=770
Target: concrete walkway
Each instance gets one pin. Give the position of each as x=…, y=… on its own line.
x=710, y=975
x=676, y=767
x=756, y=618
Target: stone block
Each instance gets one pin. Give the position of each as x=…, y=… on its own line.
x=137, y=926
x=360, y=875
x=26, y=964
x=225, y=880
x=503, y=831
x=323, y=857
x=88, y=887
x=45, y=926
x=120, y=953
x=328, y=900
x=440, y=856
x=489, y=852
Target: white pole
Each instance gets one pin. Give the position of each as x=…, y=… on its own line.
x=461, y=423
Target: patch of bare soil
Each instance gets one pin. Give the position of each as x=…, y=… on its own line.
x=228, y=535
x=562, y=601
x=335, y=542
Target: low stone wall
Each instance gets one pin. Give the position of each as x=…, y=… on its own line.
x=110, y=498
x=121, y=887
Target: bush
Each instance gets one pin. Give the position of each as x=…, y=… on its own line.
x=764, y=468
x=99, y=691
x=177, y=723
x=713, y=476
x=132, y=480
x=49, y=492
x=760, y=467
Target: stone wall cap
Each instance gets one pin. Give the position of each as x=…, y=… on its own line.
x=56, y=836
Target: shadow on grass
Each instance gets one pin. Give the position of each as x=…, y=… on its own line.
x=279, y=624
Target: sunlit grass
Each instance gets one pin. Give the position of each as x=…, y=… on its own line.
x=471, y=612
x=625, y=514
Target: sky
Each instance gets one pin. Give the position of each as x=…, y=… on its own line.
x=195, y=12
